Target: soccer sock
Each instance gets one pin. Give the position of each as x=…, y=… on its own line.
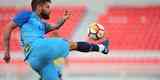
x=101, y=47
x=86, y=47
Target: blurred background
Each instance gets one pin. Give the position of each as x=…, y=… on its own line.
x=132, y=26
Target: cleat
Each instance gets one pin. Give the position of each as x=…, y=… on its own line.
x=105, y=43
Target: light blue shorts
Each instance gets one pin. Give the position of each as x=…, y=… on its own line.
x=42, y=54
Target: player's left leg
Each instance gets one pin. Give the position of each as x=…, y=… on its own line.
x=59, y=64
x=41, y=67
x=49, y=72
x=60, y=75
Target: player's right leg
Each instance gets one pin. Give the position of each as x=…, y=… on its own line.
x=87, y=47
x=46, y=50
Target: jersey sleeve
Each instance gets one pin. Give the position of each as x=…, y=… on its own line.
x=22, y=17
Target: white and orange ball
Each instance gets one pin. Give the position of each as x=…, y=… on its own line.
x=96, y=31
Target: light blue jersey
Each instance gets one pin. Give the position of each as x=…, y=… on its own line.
x=33, y=30
x=42, y=50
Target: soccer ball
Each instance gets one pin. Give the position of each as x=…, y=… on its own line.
x=96, y=31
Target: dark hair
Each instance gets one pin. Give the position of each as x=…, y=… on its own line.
x=34, y=3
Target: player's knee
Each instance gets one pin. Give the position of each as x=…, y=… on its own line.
x=73, y=45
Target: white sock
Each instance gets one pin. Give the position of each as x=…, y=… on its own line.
x=101, y=47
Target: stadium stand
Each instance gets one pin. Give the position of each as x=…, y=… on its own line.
x=132, y=28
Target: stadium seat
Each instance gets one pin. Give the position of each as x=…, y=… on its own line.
x=132, y=28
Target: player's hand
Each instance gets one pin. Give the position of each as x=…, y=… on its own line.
x=67, y=15
x=7, y=57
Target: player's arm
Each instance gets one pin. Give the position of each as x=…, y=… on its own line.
x=50, y=27
x=20, y=19
x=59, y=23
x=6, y=38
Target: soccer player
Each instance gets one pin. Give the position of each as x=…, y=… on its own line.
x=41, y=51
x=23, y=16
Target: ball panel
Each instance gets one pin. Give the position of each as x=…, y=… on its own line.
x=100, y=34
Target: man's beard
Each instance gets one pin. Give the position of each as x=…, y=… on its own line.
x=45, y=15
